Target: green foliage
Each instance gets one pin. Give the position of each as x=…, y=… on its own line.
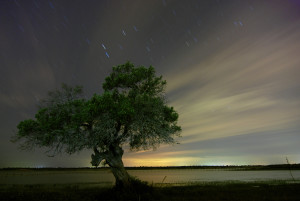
x=132, y=110
x=128, y=79
x=140, y=95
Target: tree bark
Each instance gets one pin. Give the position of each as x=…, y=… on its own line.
x=114, y=160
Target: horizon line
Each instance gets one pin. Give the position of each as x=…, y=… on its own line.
x=180, y=166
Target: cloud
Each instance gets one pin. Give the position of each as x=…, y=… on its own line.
x=242, y=100
x=243, y=87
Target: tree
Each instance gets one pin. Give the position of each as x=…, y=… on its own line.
x=131, y=112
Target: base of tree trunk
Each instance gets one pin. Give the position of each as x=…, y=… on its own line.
x=134, y=186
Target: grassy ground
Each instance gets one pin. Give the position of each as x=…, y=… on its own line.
x=205, y=191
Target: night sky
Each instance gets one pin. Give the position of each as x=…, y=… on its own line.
x=232, y=67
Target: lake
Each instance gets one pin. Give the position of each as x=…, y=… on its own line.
x=105, y=177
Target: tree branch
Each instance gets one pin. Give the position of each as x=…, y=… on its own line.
x=97, y=157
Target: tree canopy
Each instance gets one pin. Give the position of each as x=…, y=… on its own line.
x=131, y=111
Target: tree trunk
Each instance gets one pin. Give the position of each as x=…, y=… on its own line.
x=114, y=160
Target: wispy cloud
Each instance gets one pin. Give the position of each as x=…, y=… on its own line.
x=249, y=88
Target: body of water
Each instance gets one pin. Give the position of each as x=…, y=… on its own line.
x=174, y=176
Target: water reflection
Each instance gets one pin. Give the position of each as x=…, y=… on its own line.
x=151, y=176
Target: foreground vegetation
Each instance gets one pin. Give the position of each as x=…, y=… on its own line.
x=276, y=190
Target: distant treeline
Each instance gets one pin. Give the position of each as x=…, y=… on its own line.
x=204, y=167
x=227, y=167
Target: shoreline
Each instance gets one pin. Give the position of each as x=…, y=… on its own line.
x=225, y=167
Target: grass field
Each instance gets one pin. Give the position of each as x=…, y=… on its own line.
x=246, y=191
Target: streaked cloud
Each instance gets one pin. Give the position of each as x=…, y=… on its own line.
x=250, y=88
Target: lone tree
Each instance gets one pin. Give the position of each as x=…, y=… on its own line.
x=131, y=112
